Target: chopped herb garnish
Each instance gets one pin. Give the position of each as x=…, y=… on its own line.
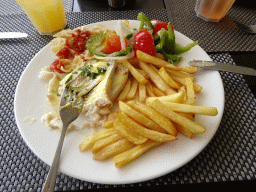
x=93, y=75
x=69, y=79
x=129, y=36
x=101, y=71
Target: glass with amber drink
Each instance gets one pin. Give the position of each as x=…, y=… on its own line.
x=213, y=10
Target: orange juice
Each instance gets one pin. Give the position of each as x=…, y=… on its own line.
x=48, y=16
x=213, y=10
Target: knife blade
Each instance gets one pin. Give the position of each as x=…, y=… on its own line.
x=223, y=67
x=8, y=35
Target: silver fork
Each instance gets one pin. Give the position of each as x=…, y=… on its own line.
x=68, y=114
x=246, y=28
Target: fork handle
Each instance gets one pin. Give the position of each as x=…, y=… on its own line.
x=51, y=177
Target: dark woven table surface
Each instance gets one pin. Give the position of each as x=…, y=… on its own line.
x=230, y=156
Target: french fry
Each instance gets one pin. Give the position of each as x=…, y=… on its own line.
x=134, y=62
x=160, y=56
x=166, y=77
x=135, y=73
x=100, y=144
x=183, y=130
x=154, y=68
x=125, y=91
x=158, y=92
x=142, y=92
x=113, y=149
x=89, y=141
x=109, y=123
x=140, y=118
x=119, y=81
x=175, y=98
x=197, y=88
x=183, y=121
x=128, y=134
x=187, y=115
x=162, y=63
x=149, y=90
x=190, y=96
x=185, y=108
x=133, y=89
x=153, y=60
x=143, y=131
x=150, y=85
x=182, y=89
x=157, y=117
x=143, y=73
x=189, y=69
x=134, y=153
x=179, y=74
x=158, y=81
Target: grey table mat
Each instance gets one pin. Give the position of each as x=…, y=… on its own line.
x=213, y=37
x=230, y=156
x=11, y=7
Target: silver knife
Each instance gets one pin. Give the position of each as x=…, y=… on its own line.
x=8, y=35
x=223, y=67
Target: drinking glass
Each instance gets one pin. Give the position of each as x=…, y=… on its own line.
x=213, y=10
x=47, y=16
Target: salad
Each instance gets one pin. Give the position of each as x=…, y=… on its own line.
x=153, y=37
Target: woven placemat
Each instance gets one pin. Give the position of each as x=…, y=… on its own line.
x=12, y=7
x=230, y=156
x=213, y=37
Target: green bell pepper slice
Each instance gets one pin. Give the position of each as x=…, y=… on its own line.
x=163, y=34
x=144, y=20
x=179, y=50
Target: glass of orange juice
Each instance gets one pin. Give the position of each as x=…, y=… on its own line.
x=47, y=16
x=213, y=10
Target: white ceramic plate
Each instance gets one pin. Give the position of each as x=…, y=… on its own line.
x=30, y=101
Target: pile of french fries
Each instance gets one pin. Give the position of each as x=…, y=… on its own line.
x=156, y=103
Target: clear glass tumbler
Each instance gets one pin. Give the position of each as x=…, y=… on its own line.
x=213, y=10
x=47, y=16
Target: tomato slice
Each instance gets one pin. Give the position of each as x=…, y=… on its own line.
x=159, y=25
x=112, y=44
x=144, y=42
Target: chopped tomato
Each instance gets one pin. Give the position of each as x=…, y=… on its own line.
x=64, y=53
x=144, y=42
x=159, y=25
x=78, y=42
x=112, y=43
x=56, y=66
